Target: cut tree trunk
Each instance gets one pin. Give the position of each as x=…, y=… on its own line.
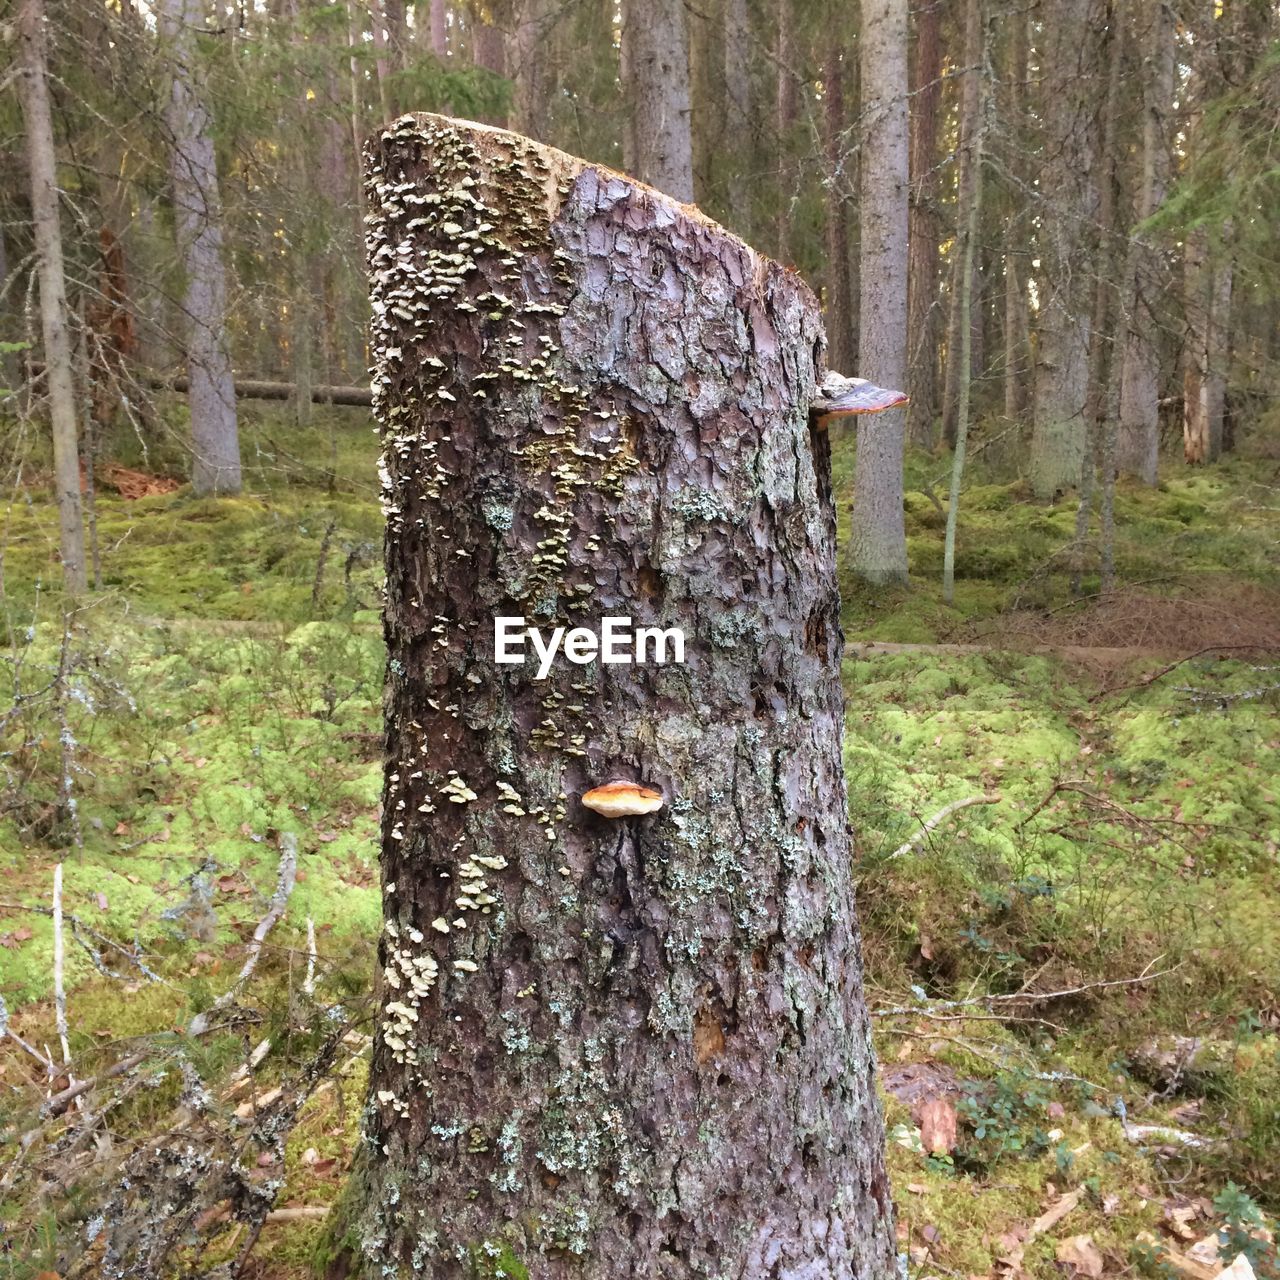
x=33, y=91
x=215, y=436
x=878, y=544
x=631, y=1047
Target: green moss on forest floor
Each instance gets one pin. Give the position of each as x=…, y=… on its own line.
x=216, y=704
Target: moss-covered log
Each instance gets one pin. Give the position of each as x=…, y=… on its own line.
x=633, y=1047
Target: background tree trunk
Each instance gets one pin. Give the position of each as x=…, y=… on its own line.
x=655, y=70
x=960, y=311
x=841, y=332
x=530, y=72
x=582, y=1074
x=1138, y=442
x=1068, y=184
x=41, y=165
x=1017, y=342
x=786, y=112
x=879, y=541
x=925, y=229
x=215, y=435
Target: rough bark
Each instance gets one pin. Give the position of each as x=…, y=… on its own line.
x=841, y=321
x=879, y=541
x=1138, y=442
x=610, y=418
x=655, y=80
x=924, y=228
x=37, y=121
x=1069, y=201
x=215, y=437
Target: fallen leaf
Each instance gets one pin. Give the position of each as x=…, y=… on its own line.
x=1240, y=1269
x=930, y=1234
x=1054, y=1214
x=1179, y=1217
x=265, y=1159
x=122, y=828
x=1056, y=1110
x=936, y=1117
x=22, y=934
x=101, y=899
x=1110, y=1204
x=917, y=1188
x=1080, y=1254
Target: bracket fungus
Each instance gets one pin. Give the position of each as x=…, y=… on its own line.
x=838, y=396
x=622, y=800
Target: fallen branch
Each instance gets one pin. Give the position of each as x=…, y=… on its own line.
x=1024, y=997
x=60, y=1101
x=932, y=824
x=1173, y=666
x=30, y=1049
x=285, y=876
x=259, y=389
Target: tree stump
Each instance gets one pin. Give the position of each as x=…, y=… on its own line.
x=631, y=1047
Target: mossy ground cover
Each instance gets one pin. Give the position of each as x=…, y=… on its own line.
x=215, y=699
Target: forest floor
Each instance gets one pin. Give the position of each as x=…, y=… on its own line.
x=1074, y=976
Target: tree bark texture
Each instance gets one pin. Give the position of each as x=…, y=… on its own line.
x=215, y=436
x=1069, y=186
x=1138, y=443
x=879, y=539
x=632, y=1048
x=655, y=74
x=37, y=122
x=924, y=228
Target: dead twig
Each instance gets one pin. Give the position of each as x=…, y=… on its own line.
x=285, y=876
x=939, y=818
